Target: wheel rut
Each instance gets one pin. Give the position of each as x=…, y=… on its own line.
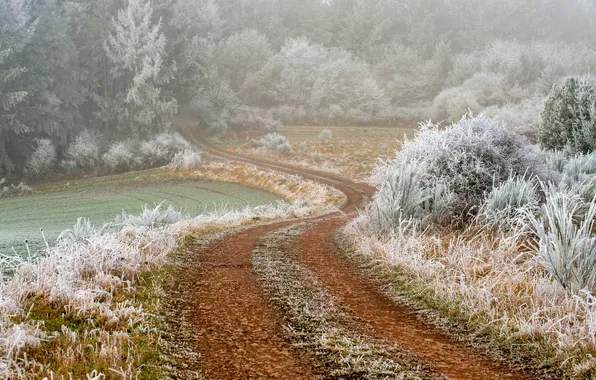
x=240, y=333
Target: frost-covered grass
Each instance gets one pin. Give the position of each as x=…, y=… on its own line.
x=90, y=305
x=521, y=271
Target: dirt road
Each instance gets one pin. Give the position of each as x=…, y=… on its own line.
x=241, y=334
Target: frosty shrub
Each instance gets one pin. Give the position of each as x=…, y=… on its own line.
x=325, y=136
x=160, y=150
x=13, y=190
x=82, y=155
x=569, y=117
x=400, y=198
x=273, y=143
x=80, y=232
x=43, y=160
x=120, y=157
x=189, y=159
x=505, y=204
x=524, y=116
x=253, y=118
x=475, y=94
x=566, y=241
x=456, y=167
x=303, y=147
x=150, y=217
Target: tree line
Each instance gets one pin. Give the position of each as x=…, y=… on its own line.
x=121, y=69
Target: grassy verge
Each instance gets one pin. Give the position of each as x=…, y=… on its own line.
x=450, y=312
x=96, y=301
x=317, y=324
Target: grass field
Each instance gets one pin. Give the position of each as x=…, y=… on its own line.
x=352, y=151
x=57, y=206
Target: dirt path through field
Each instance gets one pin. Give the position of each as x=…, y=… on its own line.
x=240, y=333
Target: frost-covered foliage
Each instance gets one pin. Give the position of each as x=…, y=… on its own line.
x=83, y=154
x=506, y=205
x=82, y=230
x=13, y=190
x=90, y=277
x=443, y=175
x=189, y=159
x=150, y=217
x=136, y=48
x=569, y=117
x=43, y=160
x=87, y=154
x=273, y=143
x=119, y=157
x=325, y=136
x=523, y=116
x=475, y=94
x=505, y=74
x=566, y=241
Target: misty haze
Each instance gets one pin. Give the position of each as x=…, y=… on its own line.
x=297, y=189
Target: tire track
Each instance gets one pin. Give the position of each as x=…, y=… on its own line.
x=316, y=250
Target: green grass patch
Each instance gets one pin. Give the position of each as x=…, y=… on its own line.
x=57, y=206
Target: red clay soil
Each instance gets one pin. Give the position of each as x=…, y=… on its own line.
x=240, y=334
x=316, y=249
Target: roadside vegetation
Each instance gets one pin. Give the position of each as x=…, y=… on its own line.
x=495, y=229
x=94, y=300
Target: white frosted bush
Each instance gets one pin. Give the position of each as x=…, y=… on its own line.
x=475, y=94
x=83, y=153
x=120, y=157
x=524, y=117
x=80, y=232
x=456, y=167
x=506, y=204
x=160, y=150
x=150, y=217
x=273, y=143
x=43, y=160
x=566, y=240
x=325, y=136
x=14, y=190
x=189, y=159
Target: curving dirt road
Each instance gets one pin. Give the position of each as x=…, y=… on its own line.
x=241, y=335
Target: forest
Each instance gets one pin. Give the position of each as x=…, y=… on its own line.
x=79, y=79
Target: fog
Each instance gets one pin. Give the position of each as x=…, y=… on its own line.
x=88, y=75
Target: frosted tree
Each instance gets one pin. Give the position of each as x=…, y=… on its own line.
x=137, y=50
x=16, y=30
x=364, y=28
x=348, y=83
x=569, y=117
x=300, y=62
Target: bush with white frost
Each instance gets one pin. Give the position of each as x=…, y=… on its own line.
x=273, y=143
x=83, y=154
x=569, y=117
x=120, y=156
x=325, y=136
x=566, y=240
x=150, y=217
x=452, y=169
x=189, y=159
x=160, y=150
x=43, y=160
x=13, y=190
x=506, y=205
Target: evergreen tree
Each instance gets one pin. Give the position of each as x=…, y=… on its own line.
x=16, y=31
x=569, y=118
x=136, y=49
